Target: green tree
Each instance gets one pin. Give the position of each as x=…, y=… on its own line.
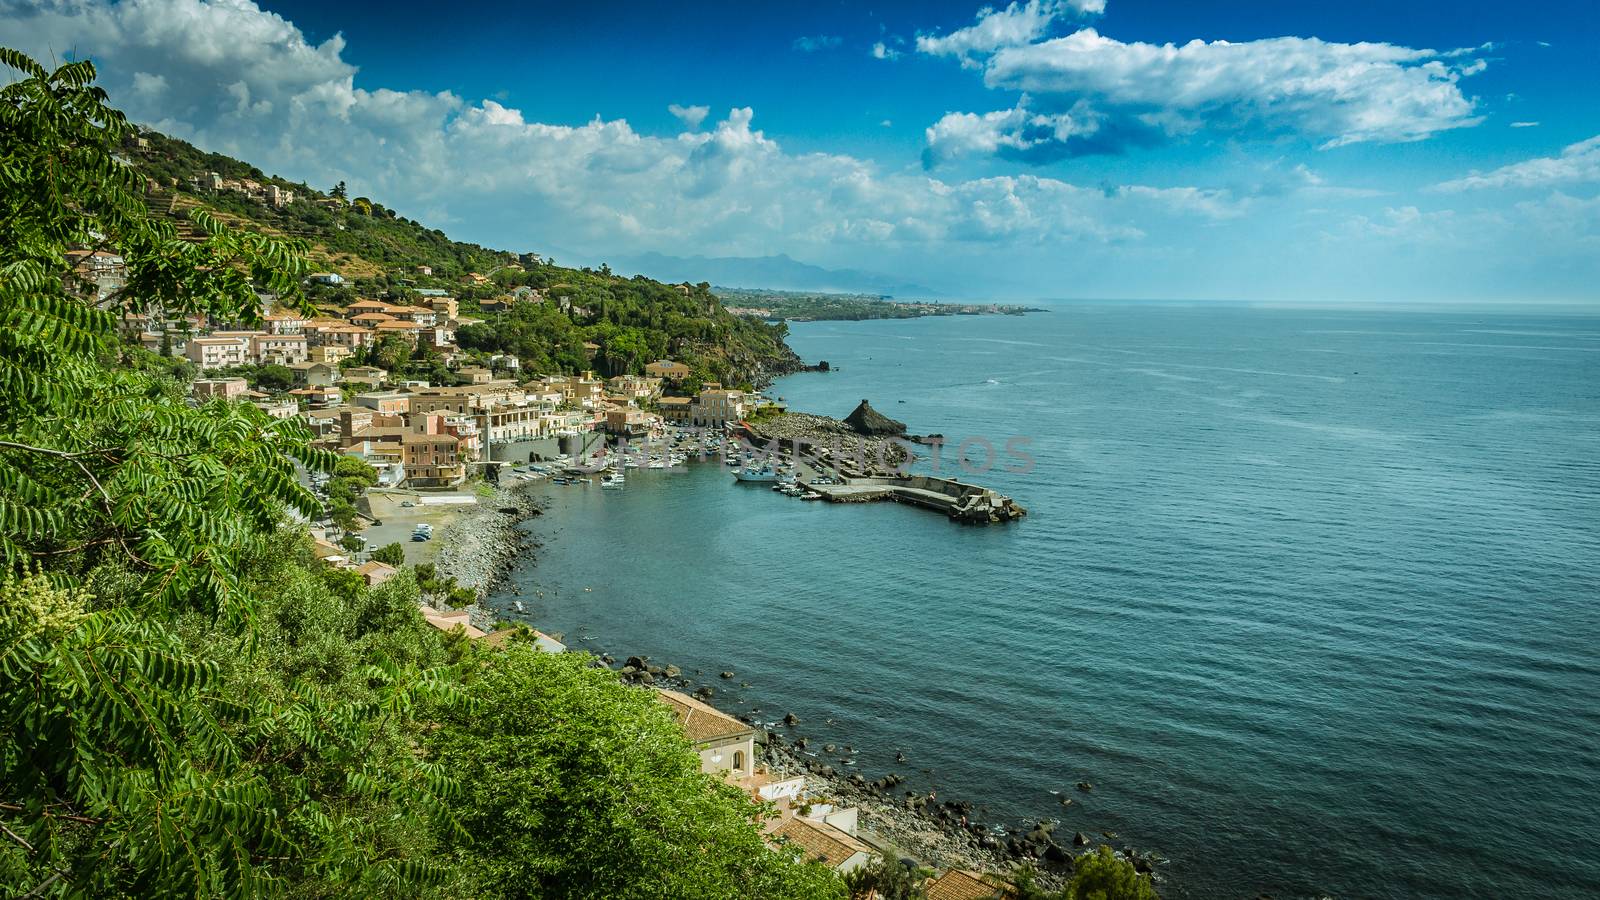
x=1101, y=875
x=585, y=787
x=274, y=378
x=359, y=470
x=887, y=879
x=390, y=554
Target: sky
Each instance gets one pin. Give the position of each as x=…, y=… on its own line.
x=1175, y=149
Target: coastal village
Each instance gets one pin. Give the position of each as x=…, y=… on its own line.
x=452, y=452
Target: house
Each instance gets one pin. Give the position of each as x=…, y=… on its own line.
x=315, y=374
x=450, y=621
x=331, y=354
x=279, y=349
x=371, y=376
x=339, y=333
x=365, y=306
x=370, y=319
x=319, y=397
x=445, y=307
x=375, y=573
x=332, y=279
x=675, y=410
x=217, y=353
x=425, y=270
x=667, y=370
x=278, y=409
x=717, y=406
x=725, y=744
x=497, y=304
x=475, y=374
x=960, y=884
x=389, y=403
x=590, y=348
x=219, y=388
x=627, y=421
x=405, y=329
x=821, y=842
x=421, y=315
x=432, y=460
x=283, y=323
x=475, y=278
x=634, y=387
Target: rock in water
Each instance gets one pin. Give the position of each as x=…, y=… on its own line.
x=868, y=421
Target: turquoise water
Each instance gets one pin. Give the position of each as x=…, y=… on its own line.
x=1308, y=595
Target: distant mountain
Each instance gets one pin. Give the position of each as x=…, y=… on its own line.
x=780, y=272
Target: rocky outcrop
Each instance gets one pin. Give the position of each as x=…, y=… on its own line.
x=868, y=421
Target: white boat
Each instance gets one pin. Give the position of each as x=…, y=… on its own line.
x=763, y=474
x=614, y=480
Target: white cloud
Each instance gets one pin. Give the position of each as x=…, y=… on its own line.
x=245, y=82
x=690, y=116
x=1021, y=134
x=811, y=44
x=1524, y=124
x=880, y=50
x=1578, y=163
x=1333, y=93
x=1009, y=27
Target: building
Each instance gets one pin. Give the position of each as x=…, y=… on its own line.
x=821, y=842
x=432, y=460
x=726, y=745
x=365, y=306
x=315, y=374
x=370, y=376
x=627, y=421
x=425, y=270
x=332, y=354
x=371, y=319
x=283, y=323
x=675, y=410
x=717, y=406
x=209, y=353
x=402, y=327
x=278, y=409
x=332, y=279
x=634, y=387
x=444, y=307
x=389, y=403
x=219, y=388
x=475, y=374
x=279, y=349
x=375, y=573
x=960, y=884
x=319, y=397
x=322, y=333
x=667, y=370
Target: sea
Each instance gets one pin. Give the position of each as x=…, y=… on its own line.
x=1308, y=595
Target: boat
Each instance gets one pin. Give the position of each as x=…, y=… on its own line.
x=811, y=495
x=614, y=480
x=763, y=474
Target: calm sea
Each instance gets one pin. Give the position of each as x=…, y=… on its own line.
x=1309, y=596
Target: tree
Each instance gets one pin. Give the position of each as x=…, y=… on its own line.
x=585, y=787
x=137, y=754
x=274, y=378
x=1101, y=875
x=338, y=191
x=390, y=554
x=887, y=879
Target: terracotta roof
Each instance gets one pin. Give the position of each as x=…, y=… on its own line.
x=820, y=841
x=701, y=722
x=398, y=325
x=958, y=884
x=372, y=317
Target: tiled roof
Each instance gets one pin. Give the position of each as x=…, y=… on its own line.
x=958, y=884
x=701, y=722
x=820, y=841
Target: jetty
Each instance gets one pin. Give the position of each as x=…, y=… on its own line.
x=863, y=459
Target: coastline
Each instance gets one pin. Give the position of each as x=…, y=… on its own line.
x=480, y=550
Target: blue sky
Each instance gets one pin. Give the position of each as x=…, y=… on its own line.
x=1378, y=152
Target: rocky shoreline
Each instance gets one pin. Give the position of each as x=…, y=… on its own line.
x=478, y=550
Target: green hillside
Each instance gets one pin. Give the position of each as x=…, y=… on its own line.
x=631, y=321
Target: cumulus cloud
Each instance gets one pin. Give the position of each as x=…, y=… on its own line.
x=811, y=44
x=1013, y=26
x=690, y=116
x=1577, y=163
x=236, y=79
x=1333, y=93
x=1026, y=136
x=880, y=50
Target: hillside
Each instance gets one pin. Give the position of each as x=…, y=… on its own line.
x=543, y=313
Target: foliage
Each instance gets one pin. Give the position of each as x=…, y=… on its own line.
x=390, y=554
x=274, y=378
x=190, y=703
x=585, y=787
x=1099, y=875
x=887, y=879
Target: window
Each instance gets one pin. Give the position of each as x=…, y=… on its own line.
x=738, y=760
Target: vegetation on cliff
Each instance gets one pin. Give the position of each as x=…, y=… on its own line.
x=190, y=703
